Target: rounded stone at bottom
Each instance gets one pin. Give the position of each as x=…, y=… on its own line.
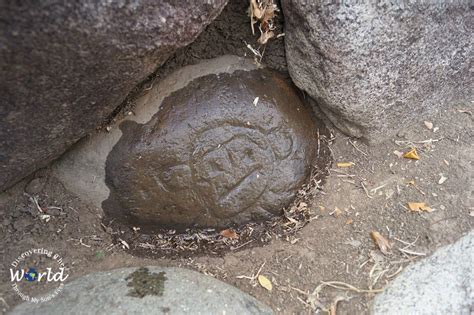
x=149, y=290
x=224, y=150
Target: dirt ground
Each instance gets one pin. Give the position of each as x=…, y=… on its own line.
x=335, y=246
x=330, y=262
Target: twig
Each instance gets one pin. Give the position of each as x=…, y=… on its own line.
x=374, y=190
x=409, y=252
x=345, y=286
x=350, y=182
x=4, y=302
x=312, y=299
x=355, y=147
x=366, y=191
x=35, y=200
x=395, y=273
x=253, y=50
x=340, y=172
x=408, y=245
x=252, y=278
x=242, y=245
x=80, y=242
x=405, y=142
x=263, y=53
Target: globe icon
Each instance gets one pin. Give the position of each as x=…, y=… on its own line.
x=31, y=275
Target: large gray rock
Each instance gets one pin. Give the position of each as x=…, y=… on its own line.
x=214, y=144
x=440, y=284
x=150, y=290
x=66, y=66
x=373, y=66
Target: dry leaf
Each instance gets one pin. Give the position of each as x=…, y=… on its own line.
x=229, y=233
x=263, y=39
x=345, y=164
x=337, y=212
x=412, y=154
x=381, y=242
x=419, y=206
x=429, y=125
x=350, y=221
x=264, y=282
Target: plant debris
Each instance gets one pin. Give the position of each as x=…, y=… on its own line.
x=419, y=207
x=337, y=212
x=265, y=282
x=345, y=164
x=412, y=154
x=263, y=13
x=382, y=242
x=442, y=179
x=229, y=233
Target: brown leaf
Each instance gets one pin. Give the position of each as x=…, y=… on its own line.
x=412, y=154
x=381, y=242
x=265, y=37
x=419, y=206
x=337, y=212
x=229, y=233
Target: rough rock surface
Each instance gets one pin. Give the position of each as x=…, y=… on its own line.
x=212, y=155
x=173, y=291
x=67, y=66
x=440, y=284
x=374, y=66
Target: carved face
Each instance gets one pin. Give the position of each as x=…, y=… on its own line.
x=210, y=157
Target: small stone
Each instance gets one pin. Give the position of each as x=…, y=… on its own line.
x=35, y=186
x=428, y=124
x=402, y=134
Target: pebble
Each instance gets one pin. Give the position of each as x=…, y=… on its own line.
x=35, y=186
